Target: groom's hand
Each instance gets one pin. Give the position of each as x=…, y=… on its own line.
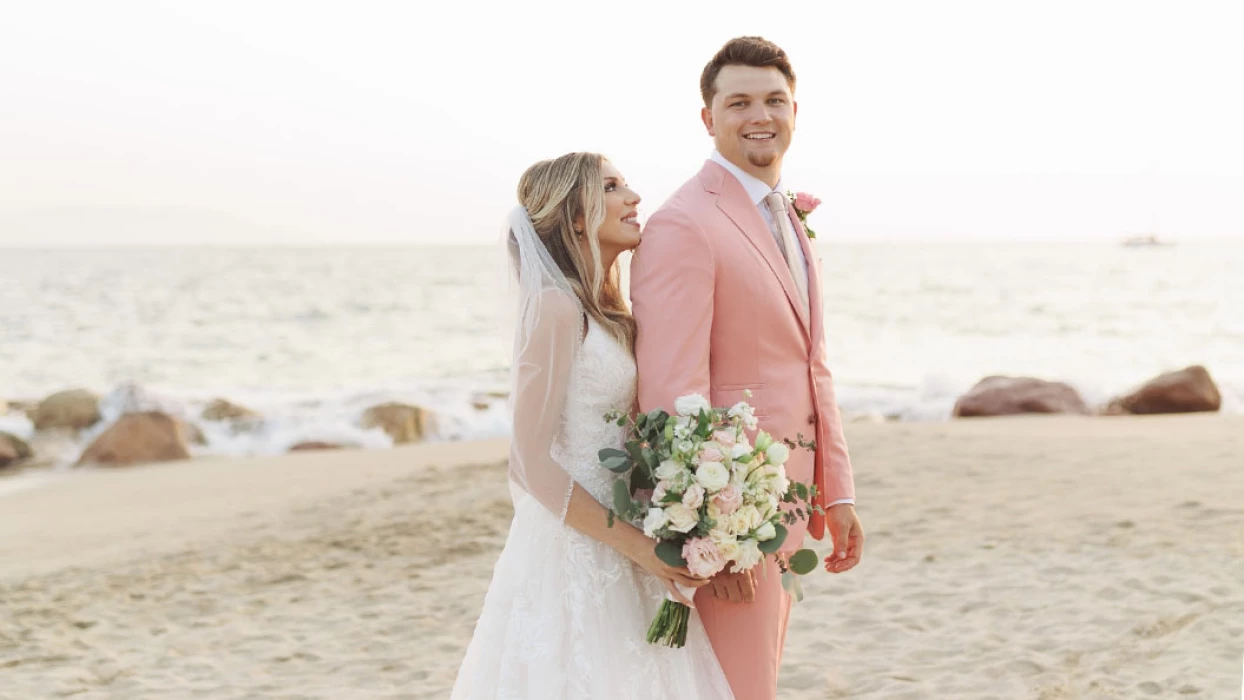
x=736, y=588
x=848, y=535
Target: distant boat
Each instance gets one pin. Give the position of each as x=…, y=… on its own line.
x=1148, y=240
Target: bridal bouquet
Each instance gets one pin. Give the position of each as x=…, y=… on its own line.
x=714, y=496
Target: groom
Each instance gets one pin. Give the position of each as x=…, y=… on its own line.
x=726, y=292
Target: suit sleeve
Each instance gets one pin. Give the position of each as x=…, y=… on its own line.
x=672, y=280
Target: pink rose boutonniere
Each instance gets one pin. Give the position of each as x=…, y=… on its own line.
x=804, y=204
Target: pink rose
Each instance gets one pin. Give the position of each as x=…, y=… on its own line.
x=725, y=437
x=703, y=557
x=806, y=203
x=711, y=454
x=729, y=499
x=693, y=497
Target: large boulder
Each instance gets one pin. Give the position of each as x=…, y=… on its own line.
x=135, y=438
x=74, y=409
x=191, y=433
x=1006, y=396
x=403, y=422
x=221, y=409
x=13, y=450
x=1188, y=390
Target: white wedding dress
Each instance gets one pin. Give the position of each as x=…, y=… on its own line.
x=565, y=617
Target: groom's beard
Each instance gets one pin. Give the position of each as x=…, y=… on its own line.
x=761, y=160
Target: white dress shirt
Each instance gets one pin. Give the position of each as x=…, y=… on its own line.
x=757, y=189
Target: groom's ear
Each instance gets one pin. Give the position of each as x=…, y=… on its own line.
x=706, y=115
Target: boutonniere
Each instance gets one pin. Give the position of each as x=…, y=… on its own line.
x=804, y=204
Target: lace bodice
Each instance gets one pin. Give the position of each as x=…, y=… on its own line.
x=601, y=381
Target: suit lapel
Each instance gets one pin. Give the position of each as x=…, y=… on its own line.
x=817, y=322
x=733, y=201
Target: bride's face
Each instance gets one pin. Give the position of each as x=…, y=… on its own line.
x=620, y=231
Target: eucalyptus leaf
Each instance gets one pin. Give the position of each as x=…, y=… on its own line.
x=798, y=586
x=773, y=545
x=611, y=518
x=635, y=451
x=788, y=582
x=670, y=552
x=622, y=499
x=641, y=480
x=650, y=458
x=617, y=465
x=803, y=561
x=610, y=452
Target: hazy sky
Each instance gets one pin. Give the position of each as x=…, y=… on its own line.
x=126, y=122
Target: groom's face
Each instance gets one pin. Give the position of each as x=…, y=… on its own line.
x=751, y=117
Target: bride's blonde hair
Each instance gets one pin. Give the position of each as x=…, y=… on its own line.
x=556, y=194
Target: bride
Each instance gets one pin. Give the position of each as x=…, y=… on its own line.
x=571, y=598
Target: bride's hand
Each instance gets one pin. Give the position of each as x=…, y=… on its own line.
x=647, y=559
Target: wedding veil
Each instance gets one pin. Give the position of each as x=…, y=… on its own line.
x=547, y=334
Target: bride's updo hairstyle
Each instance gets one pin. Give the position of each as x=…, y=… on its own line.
x=556, y=194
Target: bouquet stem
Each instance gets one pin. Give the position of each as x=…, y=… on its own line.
x=669, y=628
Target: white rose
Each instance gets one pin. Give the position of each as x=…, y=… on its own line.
x=738, y=523
x=714, y=513
x=691, y=405
x=693, y=497
x=766, y=532
x=777, y=453
x=726, y=544
x=752, y=515
x=655, y=520
x=668, y=469
x=749, y=556
x=713, y=476
x=681, y=518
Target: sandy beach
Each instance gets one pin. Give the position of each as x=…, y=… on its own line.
x=1043, y=557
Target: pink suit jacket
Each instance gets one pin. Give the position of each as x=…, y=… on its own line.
x=718, y=313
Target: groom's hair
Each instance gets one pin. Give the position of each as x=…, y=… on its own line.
x=745, y=51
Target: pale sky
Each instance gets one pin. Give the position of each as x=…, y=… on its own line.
x=280, y=122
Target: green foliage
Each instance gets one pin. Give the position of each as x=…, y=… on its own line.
x=622, y=502
x=791, y=583
x=803, y=561
x=773, y=545
x=615, y=461
x=670, y=553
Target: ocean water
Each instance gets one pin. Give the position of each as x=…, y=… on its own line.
x=310, y=337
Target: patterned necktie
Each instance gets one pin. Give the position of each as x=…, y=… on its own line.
x=787, y=243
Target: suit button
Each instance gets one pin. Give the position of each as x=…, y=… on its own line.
x=811, y=419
